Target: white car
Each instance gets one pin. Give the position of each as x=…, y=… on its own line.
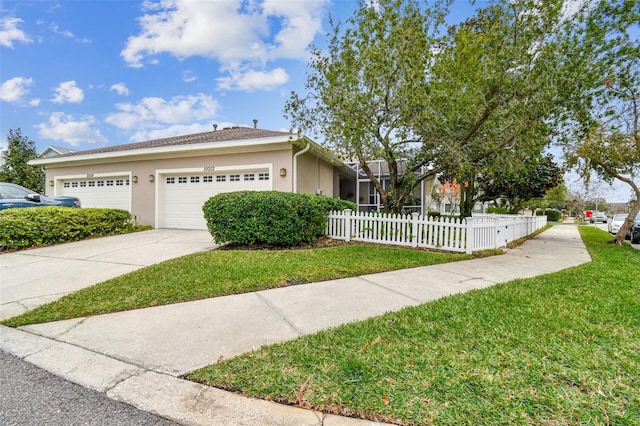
x=616, y=222
x=598, y=217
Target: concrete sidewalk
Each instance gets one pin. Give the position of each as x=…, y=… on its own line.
x=137, y=356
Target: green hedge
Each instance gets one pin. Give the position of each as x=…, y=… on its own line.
x=268, y=217
x=498, y=210
x=552, y=214
x=40, y=226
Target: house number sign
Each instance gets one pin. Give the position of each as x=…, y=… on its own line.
x=209, y=168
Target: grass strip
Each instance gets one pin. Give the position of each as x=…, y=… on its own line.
x=224, y=272
x=562, y=348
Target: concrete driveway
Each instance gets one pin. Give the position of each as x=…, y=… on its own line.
x=26, y=276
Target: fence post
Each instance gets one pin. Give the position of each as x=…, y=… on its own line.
x=469, y=226
x=347, y=224
x=414, y=229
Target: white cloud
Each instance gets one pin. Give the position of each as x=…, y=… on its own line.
x=66, y=128
x=120, y=88
x=14, y=89
x=9, y=32
x=247, y=33
x=189, y=76
x=66, y=33
x=155, y=113
x=253, y=80
x=68, y=92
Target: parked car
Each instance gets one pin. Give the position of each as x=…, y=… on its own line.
x=598, y=217
x=616, y=222
x=14, y=196
x=634, y=232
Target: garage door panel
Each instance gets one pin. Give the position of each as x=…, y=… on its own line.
x=183, y=195
x=105, y=192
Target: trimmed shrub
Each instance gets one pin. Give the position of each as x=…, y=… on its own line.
x=553, y=215
x=41, y=226
x=498, y=210
x=267, y=217
x=328, y=204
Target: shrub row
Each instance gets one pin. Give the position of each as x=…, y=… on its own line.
x=552, y=214
x=269, y=217
x=41, y=226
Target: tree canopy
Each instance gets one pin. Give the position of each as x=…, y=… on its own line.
x=21, y=149
x=394, y=85
x=602, y=133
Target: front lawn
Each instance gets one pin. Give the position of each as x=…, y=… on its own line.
x=223, y=272
x=558, y=349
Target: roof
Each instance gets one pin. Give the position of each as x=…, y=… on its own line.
x=226, y=134
x=235, y=138
x=52, y=150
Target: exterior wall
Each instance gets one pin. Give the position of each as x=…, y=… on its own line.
x=315, y=174
x=143, y=193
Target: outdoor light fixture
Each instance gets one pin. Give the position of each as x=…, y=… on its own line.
x=50, y=183
x=283, y=172
x=152, y=178
x=134, y=179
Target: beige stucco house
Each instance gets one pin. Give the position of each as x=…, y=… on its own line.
x=165, y=182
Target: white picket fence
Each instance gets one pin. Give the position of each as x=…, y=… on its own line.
x=480, y=232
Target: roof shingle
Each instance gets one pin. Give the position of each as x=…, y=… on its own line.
x=226, y=134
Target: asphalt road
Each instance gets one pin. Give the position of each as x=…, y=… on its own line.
x=32, y=396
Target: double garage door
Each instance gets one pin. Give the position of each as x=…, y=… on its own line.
x=182, y=195
x=108, y=192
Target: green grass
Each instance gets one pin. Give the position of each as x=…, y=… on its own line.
x=223, y=272
x=558, y=349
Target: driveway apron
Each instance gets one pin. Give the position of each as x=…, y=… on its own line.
x=31, y=278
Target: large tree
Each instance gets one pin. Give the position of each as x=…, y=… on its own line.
x=518, y=184
x=492, y=94
x=603, y=95
x=364, y=88
x=15, y=167
x=392, y=86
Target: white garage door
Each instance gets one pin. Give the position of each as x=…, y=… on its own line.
x=112, y=192
x=184, y=194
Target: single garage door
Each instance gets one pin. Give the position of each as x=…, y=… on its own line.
x=112, y=192
x=184, y=194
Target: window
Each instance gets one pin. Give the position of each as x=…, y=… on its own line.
x=126, y=182
x=182, y=179
x=67, y=184
x=221, y=178
x=249, y=177
x=171, y=180
x=100, y=183
x=83, y=184
x=120, y=182
x=234, y=178
x=206, y=179
x=92, y=183
x=195, y=179
x=109, y=183
x=74, y=184
x=263, y=176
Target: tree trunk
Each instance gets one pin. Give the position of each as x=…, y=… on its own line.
x=622, y=232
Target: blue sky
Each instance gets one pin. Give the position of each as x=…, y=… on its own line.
x=87, y=74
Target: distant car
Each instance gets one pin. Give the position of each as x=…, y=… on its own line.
x=15, y=196
x=598, y=217
x=616, y=223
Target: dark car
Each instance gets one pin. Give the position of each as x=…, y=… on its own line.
x=634, y=232
x=13, y=196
